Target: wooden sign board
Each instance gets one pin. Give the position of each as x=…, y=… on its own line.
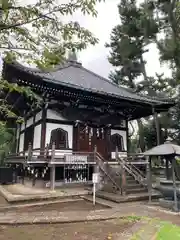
x=95, y=177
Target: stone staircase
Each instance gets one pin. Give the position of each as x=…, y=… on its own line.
x=133, y=186
x=110, y=187
x=110, y=175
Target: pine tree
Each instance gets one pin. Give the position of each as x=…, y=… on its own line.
x=169, y=47
x=128, y=43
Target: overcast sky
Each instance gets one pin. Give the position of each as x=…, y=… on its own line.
x=95, y=57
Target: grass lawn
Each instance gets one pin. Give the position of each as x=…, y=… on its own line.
x=168, y=231
x=155, y=229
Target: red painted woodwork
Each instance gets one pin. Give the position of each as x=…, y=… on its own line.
x=85, y=139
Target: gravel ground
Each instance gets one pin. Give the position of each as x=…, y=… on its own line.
x=74, y=231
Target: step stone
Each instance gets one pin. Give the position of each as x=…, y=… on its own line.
x=133, y=186
x=137, y=190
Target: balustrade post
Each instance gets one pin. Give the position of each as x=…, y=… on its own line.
x=95, y=152
x=116, y=153
x=46, y=151
x=53, y=151
x=123, y=181
x=149, y=178
x=95, y=159
x=23, y=173
x=29, y=157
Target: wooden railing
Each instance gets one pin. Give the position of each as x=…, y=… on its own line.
x=106, y=169
x=51, y=156
x=133, y=171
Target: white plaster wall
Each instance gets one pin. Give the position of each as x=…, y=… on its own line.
x=37, y=136
x=22, y=126
x=21, y=143
x=124, y=135
x=51, y=114
x=38, y=116
x=52, y=126
x=29, y=122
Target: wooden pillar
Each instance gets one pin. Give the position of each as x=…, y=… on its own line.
x=122, y=175
x=156, y=120
x=29, y=152
x=78, y=137
x=95, y=152
x=52, y=168
x=23, y=173
x=127, y=138
x=18, y=137
x=116, y=154
x=52, y=177
x=167, y=169
x=174, y=186
x=96, y=166
x=43, y=130
x=123, y=181
x=149, y=177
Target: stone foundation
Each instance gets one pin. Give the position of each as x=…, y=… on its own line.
x=165, y=203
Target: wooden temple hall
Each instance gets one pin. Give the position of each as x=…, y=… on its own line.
x=82, y=123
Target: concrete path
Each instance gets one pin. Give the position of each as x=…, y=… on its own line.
x=130, y=209
x=18, y=192
x=147, y=228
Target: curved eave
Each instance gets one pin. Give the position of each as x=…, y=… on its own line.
x=144, y=105
x=157, y=104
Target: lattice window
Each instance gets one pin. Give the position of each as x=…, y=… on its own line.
x=117, y=141
x=60, y=137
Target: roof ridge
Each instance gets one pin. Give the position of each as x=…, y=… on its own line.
x=38, y=70
x=32, y=69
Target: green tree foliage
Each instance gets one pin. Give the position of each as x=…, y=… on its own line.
x=7, y=141
x=150, y=22
x=128, y=42
x=37, y=32
x=169, y=48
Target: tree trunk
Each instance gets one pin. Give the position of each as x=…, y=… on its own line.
x=154, y=113
x=141, y=135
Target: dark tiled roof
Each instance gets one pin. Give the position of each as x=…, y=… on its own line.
x=74, y=75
